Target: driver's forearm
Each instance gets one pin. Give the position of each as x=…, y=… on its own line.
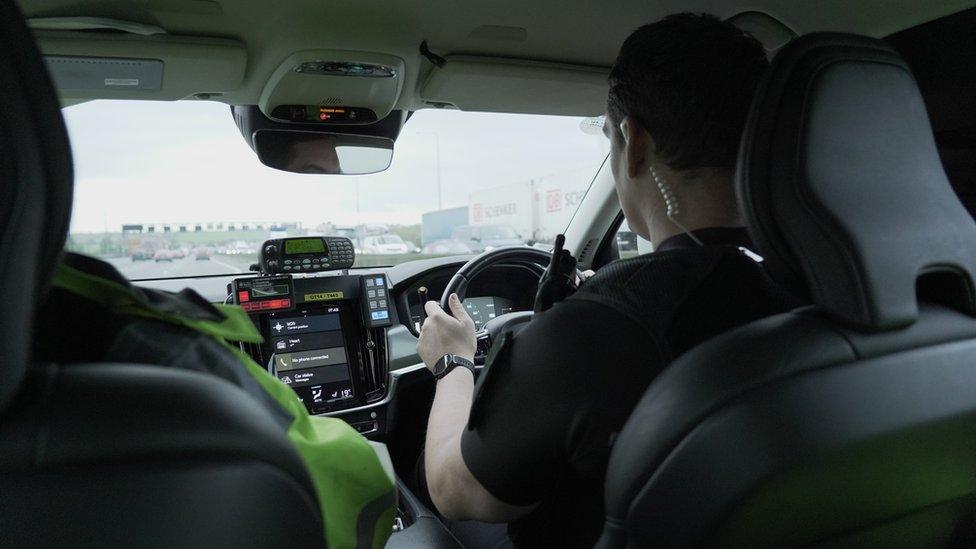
x=448, y=416
x=455, y=491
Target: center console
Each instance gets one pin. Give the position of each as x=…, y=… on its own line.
x=312, y=354
x=324, y=336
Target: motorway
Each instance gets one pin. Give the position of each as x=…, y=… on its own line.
x=184, y=272
x=186, y=267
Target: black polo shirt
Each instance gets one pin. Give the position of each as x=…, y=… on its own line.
x=555, y=393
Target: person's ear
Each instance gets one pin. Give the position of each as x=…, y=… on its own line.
x=636, y=141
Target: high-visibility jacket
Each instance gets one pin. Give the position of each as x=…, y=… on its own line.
x=356, y=494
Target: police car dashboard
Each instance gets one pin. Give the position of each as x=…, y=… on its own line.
x=345, y=339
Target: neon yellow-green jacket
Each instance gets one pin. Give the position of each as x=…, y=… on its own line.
x=356, y=495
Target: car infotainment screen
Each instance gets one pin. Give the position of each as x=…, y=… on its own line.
x=310, y=356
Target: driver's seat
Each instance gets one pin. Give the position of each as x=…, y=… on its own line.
x=851, y=422
x=114, y=455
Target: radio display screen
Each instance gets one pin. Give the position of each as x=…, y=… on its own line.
x=304, y=246
x=310, y=357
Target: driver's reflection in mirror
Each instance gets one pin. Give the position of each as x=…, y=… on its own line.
x=314, y=156
x=311, y=154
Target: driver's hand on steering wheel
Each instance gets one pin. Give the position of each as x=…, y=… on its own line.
x=442, y=334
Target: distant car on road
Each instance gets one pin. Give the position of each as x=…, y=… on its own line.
x=141, y=255
x=486, y=237
x=385, y=244
x=241, y=248
x=202, y=255
x=163, y=255
x=446, y=246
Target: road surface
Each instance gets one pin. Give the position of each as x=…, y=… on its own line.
x=186, y=267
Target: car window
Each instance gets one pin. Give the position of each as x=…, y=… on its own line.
x=169, y=189
x=628, y=243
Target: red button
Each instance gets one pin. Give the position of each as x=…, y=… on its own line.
x=279, y=303
x=243, y=296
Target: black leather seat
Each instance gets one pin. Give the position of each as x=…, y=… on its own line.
x=114, y=455
x=853, y=421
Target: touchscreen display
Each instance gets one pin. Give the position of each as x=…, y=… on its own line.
x=310, y=356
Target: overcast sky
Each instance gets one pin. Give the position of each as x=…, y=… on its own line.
x=157, y=162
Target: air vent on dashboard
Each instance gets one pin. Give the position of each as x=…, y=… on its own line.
x=331, y=101
x=587, y=248
x=375, y=368
x=254, y=351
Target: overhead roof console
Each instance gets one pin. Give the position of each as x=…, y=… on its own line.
x=340, y=82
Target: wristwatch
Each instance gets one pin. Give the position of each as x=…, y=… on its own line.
x=446, y=363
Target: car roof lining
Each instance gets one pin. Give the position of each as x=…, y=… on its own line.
x=578, y=35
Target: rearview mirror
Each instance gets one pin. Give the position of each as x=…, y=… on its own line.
x=323, y=153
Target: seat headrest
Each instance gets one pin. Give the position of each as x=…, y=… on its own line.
x=841, y=184
x=35, y=191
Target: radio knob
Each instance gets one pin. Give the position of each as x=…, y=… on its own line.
x=270, y=250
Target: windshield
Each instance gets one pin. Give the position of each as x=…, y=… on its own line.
x=171, y=189
x=500, y=232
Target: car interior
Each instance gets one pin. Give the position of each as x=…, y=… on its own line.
x=848, y=422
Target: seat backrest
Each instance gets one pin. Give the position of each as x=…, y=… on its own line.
x=114, y=455
x=35, y=192
x=852, y=421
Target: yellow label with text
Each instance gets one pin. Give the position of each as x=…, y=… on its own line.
x=324, y=296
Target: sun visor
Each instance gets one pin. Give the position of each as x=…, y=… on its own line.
x=516, y=86
x=333, y=86
x=89, y=65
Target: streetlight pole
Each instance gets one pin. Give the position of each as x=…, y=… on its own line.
x=437, y=156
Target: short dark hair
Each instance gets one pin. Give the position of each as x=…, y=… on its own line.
x=688, y=80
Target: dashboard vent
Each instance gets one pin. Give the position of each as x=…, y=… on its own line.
x=587, y=249
x=254, y=351
x=375, y=367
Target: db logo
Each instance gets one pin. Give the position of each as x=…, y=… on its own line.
x=554, y=201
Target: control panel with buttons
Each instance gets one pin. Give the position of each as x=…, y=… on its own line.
x=376, y=310
x=306, y=255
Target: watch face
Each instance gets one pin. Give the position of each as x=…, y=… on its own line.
x=441, y=366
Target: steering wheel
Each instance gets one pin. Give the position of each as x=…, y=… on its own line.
x=501, y=323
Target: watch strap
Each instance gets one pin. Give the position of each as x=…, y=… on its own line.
x=447, y=363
